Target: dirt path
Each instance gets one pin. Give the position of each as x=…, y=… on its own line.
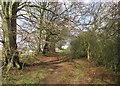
x=62, y=70
x=79, y=72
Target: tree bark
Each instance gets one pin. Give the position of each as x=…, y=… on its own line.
x=52, y=47
x=88, y=52
x=9, y=15
x=39, y=43
x=46, y=47
x=50, y=44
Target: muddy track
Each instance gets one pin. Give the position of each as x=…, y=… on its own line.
x=68, y=72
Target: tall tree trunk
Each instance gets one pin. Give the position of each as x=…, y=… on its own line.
x=46, y=47
x=6, y=28
x=50, y=44
x=88, y=52
x=9, y=14
x=52, y=47
x=13, y=30
x=39, y=43
x=41, y=28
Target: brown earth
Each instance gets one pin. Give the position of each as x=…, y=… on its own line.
x=79, y=71
x=63, y=70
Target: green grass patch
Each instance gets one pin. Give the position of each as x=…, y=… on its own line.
x=63, y=52
x=27, y=80
x=26, y=54
x=62, y=78
x=9, y=80
x=98, y=81
x=26, y=77
x=42, y=71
